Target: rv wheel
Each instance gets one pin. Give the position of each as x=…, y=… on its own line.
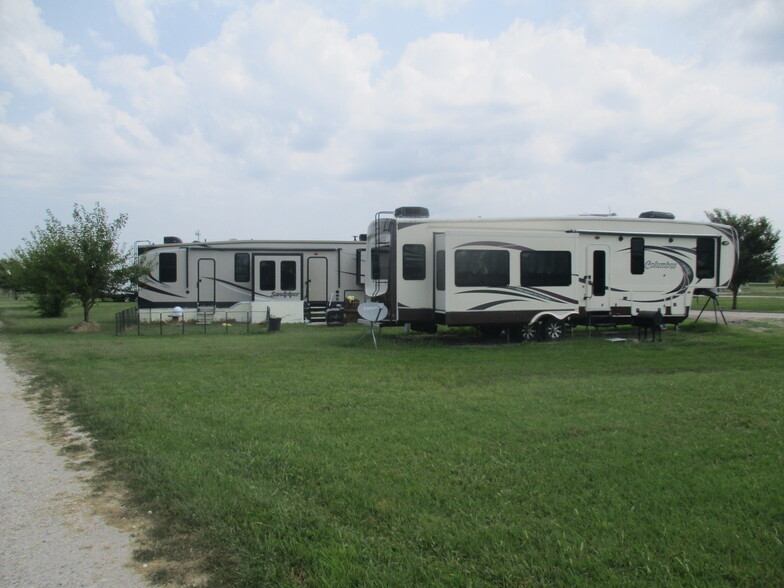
x=553, y=329
x=530, y=332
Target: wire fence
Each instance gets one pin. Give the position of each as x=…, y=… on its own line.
x=222, y=322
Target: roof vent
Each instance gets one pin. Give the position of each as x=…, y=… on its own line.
x=412, y=212
x=172, y=240
x=657, y=214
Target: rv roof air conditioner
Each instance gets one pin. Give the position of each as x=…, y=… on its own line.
x=412, y=212
x=657, y=214
x=167, y=240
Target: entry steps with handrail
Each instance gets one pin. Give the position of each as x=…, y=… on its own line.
x=204, y=315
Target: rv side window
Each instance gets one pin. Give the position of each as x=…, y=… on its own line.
x=379, y=262
x=481, y=267
x=266, y=275
x=288, y=275
x=413, y=262
x=706, y=257
x=242, y=267
x=638, y=255
x=358, y=266
x=599, y=287
x=441, y=270
x=167, y=267
x=546, y=268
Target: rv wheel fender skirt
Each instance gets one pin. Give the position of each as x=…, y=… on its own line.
x=553, y=329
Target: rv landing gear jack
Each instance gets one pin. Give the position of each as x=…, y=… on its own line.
x=712, y=296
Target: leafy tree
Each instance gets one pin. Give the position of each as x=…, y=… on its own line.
x=80, y=261
x=43, y=267
x=757, y=245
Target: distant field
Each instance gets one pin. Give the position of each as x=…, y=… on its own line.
x=752, y=298
x=307, y=458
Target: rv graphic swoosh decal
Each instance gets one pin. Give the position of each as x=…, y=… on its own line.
x=687, y=275
x=159, y=291
x=232, y=285
x=518, y=294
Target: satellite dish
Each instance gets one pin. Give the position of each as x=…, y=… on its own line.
x=373, y=311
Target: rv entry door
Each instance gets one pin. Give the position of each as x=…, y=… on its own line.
x=597, y=278
x=205, y=283
x=278, y=276
x=439, y=283
x=318, y=286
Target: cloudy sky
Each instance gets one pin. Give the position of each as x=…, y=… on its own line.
x=299, y=119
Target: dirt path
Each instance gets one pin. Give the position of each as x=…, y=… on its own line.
x=50, y=532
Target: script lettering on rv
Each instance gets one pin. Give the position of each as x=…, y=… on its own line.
x=287, y=294
x=661, y=265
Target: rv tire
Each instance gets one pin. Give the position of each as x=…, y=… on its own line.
x=530, y=332
x=553, y=329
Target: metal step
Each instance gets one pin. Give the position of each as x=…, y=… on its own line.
x=204, y=315
x=317, y=312
x=601, y=319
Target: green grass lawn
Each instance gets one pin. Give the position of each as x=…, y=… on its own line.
x=308, y=458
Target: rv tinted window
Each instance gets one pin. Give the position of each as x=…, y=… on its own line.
x=167, y=267
x=413, y=262
x=638, y=255
x=706, y=257
x=440, y=270
x=488, y=267
x=379, y=263
x=599, y=283
x=545, y=268
x=360, y=258
x=242, y=267
x=288, y=275
x=266, y=275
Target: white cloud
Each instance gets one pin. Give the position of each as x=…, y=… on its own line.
x=435, y=9
x=139, y=15
x=286, y=105
x=713, y=30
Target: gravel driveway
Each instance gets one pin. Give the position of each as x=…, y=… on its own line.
x=50, y=533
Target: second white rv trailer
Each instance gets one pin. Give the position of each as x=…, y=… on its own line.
x=208, y=277
x=537, y=275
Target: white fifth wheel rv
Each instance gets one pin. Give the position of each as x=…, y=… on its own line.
x=298, y=279
x=534, y=277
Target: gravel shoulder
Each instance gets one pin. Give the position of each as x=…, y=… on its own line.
x=734, y=316
x=51, y=530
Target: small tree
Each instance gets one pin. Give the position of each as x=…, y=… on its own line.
x=778, y=277
x=43, y=267
x=757, y=245
x=81, y=260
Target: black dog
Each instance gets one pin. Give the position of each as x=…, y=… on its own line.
x=649, y=320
